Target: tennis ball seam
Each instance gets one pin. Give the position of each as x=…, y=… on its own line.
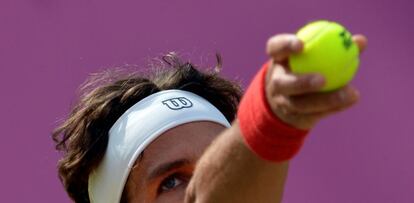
x=318, y=34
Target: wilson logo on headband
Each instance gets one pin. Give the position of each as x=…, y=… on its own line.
x=178, y=103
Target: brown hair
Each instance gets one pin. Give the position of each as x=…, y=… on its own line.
x=83, y=136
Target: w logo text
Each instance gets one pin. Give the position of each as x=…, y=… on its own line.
x=178, y=103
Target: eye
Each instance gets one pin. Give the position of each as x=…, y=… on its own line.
x=170, y=183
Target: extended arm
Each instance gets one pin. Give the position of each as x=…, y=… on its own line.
x=229, y=171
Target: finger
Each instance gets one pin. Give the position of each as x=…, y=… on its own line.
x=320, y=115
x=281, y=46
x=323, y=102
x=361, y=41
x=290, y=84
x=309, y=120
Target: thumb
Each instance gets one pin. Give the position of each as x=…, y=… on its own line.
x=279, y=47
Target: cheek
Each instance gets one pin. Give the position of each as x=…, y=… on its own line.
x=147, y=195
x=139, y=195
x=139, y=191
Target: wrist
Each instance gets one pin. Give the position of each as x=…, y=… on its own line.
x=264, y=133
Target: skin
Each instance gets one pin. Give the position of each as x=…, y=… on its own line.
x=296, y=98
x=228, y=171
x=183, y=145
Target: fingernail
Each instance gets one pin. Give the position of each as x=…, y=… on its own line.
x=343, y=95
x=317, y=81
x=355, y=95
x=295, y=44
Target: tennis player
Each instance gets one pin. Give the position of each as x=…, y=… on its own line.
x=180, y=134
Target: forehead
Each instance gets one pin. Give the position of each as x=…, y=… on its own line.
x=187, y=141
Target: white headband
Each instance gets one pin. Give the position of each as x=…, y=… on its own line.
x=136, y=129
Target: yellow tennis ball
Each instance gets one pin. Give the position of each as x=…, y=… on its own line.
x=328, y=50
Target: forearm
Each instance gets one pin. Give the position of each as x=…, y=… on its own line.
x=275, y=126
x=230, y=172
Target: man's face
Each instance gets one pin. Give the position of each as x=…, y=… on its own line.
x=163, y=171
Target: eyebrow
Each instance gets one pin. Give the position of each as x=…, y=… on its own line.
x=164, y=168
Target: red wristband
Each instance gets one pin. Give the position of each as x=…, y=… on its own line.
x=264, y=133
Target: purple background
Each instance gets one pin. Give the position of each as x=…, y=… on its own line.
x=48, y=48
